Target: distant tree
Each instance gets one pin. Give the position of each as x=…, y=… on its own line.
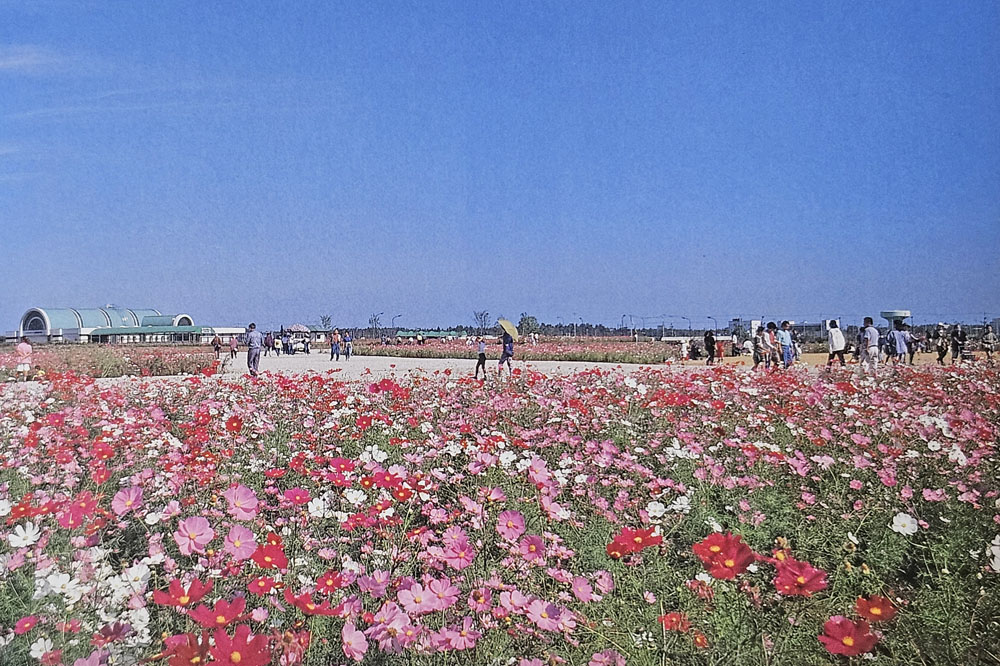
x=482, y=320
x=326, y=321
x=527, y=324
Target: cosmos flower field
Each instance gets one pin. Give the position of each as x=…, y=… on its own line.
x=663, y=516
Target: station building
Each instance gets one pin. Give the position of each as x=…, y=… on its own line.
x=115, y=325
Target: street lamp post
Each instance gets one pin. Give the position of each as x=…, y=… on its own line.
x=574, y=323
x=688, y=321
x=716, y=329
x=623, y=322
x=392, y=323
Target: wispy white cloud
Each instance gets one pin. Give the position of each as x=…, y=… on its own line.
x=30, y=59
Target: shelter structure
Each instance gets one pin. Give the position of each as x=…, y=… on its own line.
x=112, y=324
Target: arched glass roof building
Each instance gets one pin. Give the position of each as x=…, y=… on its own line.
x=81, y=324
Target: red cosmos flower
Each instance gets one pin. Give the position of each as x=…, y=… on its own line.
x=342, y=464
x=185, y=650
x=847, y=637
x=876, y=608
x=675, y=621
x=176, y=595
x=724, y=555
x=329, y=582
x=367, y=482
x=274, y=540
x=261, y=586
x=234, y=424
x=221, y=614
x=25, y=624
x=305, y=603
x=297, y=496
x=631, y=541
x=243, y=649
x=700, y=640
x=797, y=578
x=270, y=557
x=386, y=480
x=275, y=473
x=402, y=494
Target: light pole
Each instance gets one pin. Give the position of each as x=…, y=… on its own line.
x=392, y=323
x=560, y=325
x=716, y=329
x=688, y=321
x=574, y=323
x=623, y=323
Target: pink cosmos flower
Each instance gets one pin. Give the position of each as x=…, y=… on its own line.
x=193, y=534
x=297, y=496
x=543, y=614
x=459, y=555
x=532, y=549
x=417, y=600
x=464, y=637
x=607, y=658
x=510, y=525
x=480, y=600
x=126, y=499
x=444, y=593
x=355, y=643
x=582, y=589
x=514, y=601
x=25, y=624
x=242, y=502
x=240, y=543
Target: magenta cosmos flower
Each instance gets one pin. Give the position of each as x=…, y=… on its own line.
x=510, y=525
x=240, y=543
x=582, y=589
x=459, y=554
x=193, y=534
x=532, y=549
x=126, y=499
x=297, y=496
x=242, y=503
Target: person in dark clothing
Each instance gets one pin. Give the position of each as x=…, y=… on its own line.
x=958, y=340
x=710, y=347
x=508, y=353
x=481, y=362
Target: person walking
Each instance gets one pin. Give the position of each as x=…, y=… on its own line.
x=507, y=354
x=335, y=345
x=255, y=342
x=837, y=343
x=234, y=344
x=958, y=340
x=773, y=346
x=785, y=340
x=481, y=362
x=914, y=344
x=22, y=354
x=869, y=354
x=286, y=343
x=217, y=346
x=941, y=343
x=901, y=339
x=710, y=346
x=989, y=342
x=268, y=343
x=760, y=351
x=348, y=346
x=735, y=340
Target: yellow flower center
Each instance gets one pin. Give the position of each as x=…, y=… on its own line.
x=801, y=580
x=183, y=600
x=237, y=543
x=714, y=549
x=220, y=619
x=729, y=564
x=847, y=640
x=235, y=657
x=875, y=610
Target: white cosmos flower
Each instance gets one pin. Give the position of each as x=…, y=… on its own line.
x=994, y=552
x=933, y=445
x=24, y=536
x=40, y=647
x=4, y=508
x=682, y=504
x=904, y=523
x=656, y=509
x=318, y=509
x=956, y=455
x=355, y=496
x=65, y=585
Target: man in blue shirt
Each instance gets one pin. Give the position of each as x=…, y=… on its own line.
x=785, y=339
x=255, y=342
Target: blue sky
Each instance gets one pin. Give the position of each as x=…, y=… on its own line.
x=278, y=161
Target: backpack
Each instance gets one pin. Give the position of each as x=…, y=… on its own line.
x=890, y=343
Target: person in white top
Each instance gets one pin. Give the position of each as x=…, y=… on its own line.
x=837, y=343
x=869, y=351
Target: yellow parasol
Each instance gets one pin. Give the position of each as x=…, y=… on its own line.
x=509, y=327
